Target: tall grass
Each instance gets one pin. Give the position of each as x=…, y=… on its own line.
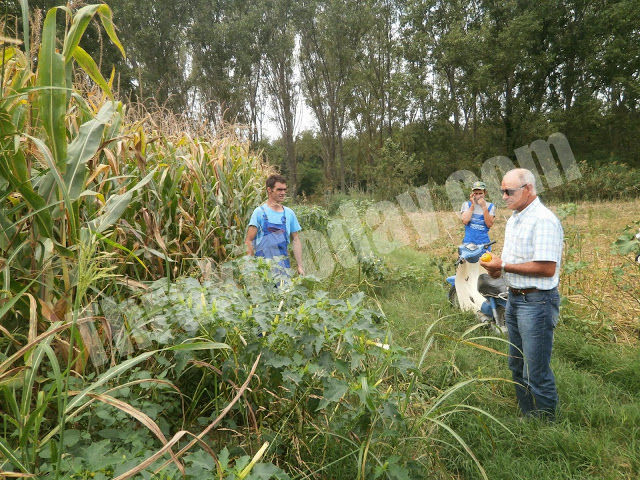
x=599, y=411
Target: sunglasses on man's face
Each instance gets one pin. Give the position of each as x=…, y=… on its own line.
x=511, y=191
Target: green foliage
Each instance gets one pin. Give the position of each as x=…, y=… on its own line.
x=629, y=241
x=599, y=182
x=313, y=217
x=374, y=268
x=393, y=170
x=627, y=276
x=309, y=344
x=359, y=200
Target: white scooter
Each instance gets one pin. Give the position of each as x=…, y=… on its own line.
x=473, y=290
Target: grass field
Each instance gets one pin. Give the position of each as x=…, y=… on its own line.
x=596, y=359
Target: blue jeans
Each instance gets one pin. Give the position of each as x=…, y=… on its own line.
x=531, y=319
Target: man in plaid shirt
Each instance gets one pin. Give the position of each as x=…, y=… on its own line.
x=530, y=265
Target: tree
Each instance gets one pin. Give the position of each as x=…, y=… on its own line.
x=154, y=33
x=331, y=32
x=280, y=82
x=224, y=43
x=372, y=107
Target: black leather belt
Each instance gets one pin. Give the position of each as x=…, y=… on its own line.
x=522, y=291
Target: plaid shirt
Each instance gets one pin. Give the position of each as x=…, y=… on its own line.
x=534, y=234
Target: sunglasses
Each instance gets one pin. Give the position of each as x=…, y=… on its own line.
x=511, y=191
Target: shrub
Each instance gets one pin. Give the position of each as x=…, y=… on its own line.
x=325, y=364
x=312, y=217
x=606, y=181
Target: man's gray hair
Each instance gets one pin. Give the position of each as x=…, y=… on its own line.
x=526, y=177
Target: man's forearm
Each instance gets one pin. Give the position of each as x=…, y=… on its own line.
x=532, y=269
x=488, y=218
x=297, y=251
x=529, y=269
x=249, y=239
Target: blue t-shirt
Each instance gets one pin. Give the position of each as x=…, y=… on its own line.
x=292, y=225
x=477, y=231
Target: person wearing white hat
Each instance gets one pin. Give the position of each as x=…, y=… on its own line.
x=477, y=215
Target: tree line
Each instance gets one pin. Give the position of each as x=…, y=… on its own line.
x=402, y=91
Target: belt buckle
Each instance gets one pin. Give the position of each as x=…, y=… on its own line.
x=522, y=291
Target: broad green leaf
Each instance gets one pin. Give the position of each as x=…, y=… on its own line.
x=334, y=390
x=116, y=206
x=78, y=25
x=51, y=77
x=40, y=208
x=278, y=361
x=89, y=66
x=105, y=16
x=625, y=244
x=83, y=148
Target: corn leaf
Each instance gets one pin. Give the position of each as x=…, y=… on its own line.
x=83, y=148
x=105, y=17
x=198, y=346
x=106, y=376
x=51, y=77
x=89, y=66
x=35, y=201
x=78, y=26
x=57, y=177
x=116, y=206
x=24, y=4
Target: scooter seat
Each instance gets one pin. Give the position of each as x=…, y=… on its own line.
x=491, y=286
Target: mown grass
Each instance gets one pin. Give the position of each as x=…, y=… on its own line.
x=597, y=434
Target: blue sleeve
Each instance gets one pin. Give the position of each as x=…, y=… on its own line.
x=292, y=222
x=255, y=218
x=492, y=210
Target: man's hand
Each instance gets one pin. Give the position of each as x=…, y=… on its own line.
x=493, y=266
x=472, y=197
x=300, y=271
x=482, y=202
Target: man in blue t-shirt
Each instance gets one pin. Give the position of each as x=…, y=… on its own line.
x=273, y=226
x=477, y=215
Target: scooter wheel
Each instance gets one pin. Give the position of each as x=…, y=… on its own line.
x=453, y=297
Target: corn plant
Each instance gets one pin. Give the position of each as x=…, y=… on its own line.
x=44, y=156
x=197, y=205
